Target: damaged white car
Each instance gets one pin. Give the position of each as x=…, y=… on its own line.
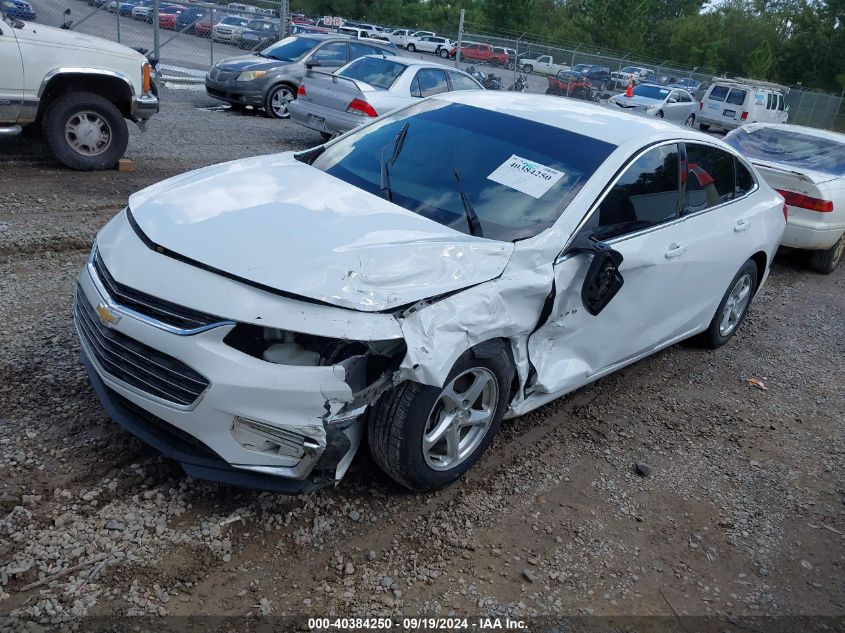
x=412, y=283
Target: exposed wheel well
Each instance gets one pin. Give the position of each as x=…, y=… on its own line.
x=760, y=260
x=493, y=347
x=112, y=88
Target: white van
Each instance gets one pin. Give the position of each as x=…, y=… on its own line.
x=729, y=103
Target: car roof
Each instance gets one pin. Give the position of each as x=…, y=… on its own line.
x=414, y=61
x=809, y=131
x=582, y=117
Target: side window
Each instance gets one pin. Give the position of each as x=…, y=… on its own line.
x=432, y=81
x=647, y=194
x=770, y=102
x=357, y=50
x=781, y=106
x=744, y=179
x=462, y=82
x=415, y=87
x=709, y=178
x=333, y=54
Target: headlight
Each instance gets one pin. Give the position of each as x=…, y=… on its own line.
x=251, y=74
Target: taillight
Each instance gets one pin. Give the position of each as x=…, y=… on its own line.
x=744, y=116
x=300, y=92
x=806, y=202
x=361, y=108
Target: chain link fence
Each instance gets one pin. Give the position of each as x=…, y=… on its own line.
x=187, y=37
x=543, y=59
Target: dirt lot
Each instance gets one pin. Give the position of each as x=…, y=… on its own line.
x=741, y=514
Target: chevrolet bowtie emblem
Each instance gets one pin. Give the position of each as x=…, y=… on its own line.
x=107, y=315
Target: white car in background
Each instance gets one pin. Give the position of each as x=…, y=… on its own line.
x=430, y=44
x=807, y=167
x=673, y=104
x=369, y=87
x=468, y=258
x=229, y=29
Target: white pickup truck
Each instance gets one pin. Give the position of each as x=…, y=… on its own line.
x=79, y=89
x=542, y=64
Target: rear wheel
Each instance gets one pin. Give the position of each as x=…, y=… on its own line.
x=276, y=101
x=444, y=53
x=733, y=307
x=426, y=437
x=826, y=261
x=703, y=127
x=528, y=68
x=411, y=48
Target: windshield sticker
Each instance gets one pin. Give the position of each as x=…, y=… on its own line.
x=526, y=176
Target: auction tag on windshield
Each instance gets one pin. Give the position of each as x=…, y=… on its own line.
x=526, y=176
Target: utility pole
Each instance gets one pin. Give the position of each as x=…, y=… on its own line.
x=460, y=38
x=284, y=11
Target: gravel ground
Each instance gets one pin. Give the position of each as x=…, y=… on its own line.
x=737, y=509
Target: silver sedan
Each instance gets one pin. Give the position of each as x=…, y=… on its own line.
x=369, y=87
x=672, y=104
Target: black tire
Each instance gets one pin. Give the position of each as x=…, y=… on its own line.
x=444, y=54
x=411, y=48
x=60, y=113
x=398, y=423
x=713, y=337
x=826, y=261
x=659, y=114
x=690, y=122
x=703, y=127
x=511, y=66
x=528, y=68
x=269, y=111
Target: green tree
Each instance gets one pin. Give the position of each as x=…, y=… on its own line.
x=759, y=64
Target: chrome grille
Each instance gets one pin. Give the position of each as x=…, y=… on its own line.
x=134, y=363
x=153, y=307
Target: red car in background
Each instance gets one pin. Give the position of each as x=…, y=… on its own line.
x=204, y=26
x=472, y=51
x=568, y=83
x=167, y=17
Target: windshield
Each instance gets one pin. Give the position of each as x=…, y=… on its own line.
x=518, y=175
x=234, y=21
x=631, y=69
x=258, y=25
x=736, y=97
x=376, y=71
x=791, y=148
x=651, y=92
x=290, y=49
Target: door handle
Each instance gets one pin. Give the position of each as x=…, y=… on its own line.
x=675, y=251
x=742, y=225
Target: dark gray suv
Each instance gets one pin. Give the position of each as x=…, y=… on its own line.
x=270, y=78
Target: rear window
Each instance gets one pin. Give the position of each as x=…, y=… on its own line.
x=651, y=92
x=376, y=71
x=445, y=138
x=736, y=96
x=797, y=150
x=718, y=93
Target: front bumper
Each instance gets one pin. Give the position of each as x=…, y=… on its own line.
x=241, y=92
x=323, y=119
x=206, y=436
x=143, y=107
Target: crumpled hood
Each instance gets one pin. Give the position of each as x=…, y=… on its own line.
x=284, y=224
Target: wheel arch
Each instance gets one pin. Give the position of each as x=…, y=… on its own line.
x=114, y=86
x=760, y=260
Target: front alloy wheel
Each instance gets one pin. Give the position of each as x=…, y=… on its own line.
x=690, y=121
x=276, y=102
x=426, y=437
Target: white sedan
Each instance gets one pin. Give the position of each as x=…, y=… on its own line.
x=672, y=104
x=413, y=282
x=368, y=87
x=807, y=167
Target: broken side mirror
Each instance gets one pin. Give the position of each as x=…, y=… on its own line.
x=312, y=63
x=603, y=279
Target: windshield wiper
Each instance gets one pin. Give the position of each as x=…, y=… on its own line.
x=472, y=217
x=260, y=54
x=397, y=144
